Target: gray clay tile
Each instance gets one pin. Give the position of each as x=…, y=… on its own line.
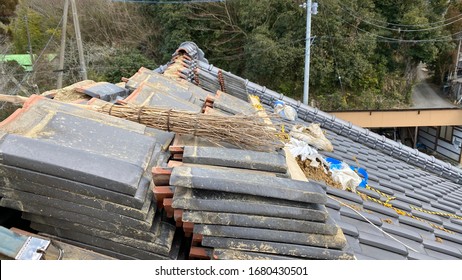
x=373, y=177
x=446, y=202
x=373, y=206
x=401, y=205
x=224, y=254
x=418, y=256
x=403, y=232
x=415, y=223
x=348, y=229
x=265, y=222
x=361, y=257
x=384, y=243
x=236, y=181
x=273, y=162
x=347, y=212
x=414, y=195
x=442, y=207
x=344, y=194
x=276, y=248
x=368, y=192
x=413, y=182
x=452, y=227
x=429, y=217
x=362, y=226
x=457, y=238
x=405, y=186
x=379, y=253
x=441, y=248
x=309, y=239
x=382, y=188
x=392, y=185
x=426, y=194
x=453, y=200
x=456, y=221
x=332, y=204
x=437, y=193
x=408, y=200
x=353, y=243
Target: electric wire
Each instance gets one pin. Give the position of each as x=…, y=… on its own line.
x=441, y=22
x=367, y=220
x=400, y=30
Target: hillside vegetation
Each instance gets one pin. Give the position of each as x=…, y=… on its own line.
x=364, y=52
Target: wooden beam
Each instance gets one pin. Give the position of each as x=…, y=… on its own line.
x=402, y=118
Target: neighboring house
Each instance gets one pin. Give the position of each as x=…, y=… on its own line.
x=456, y=90
x=25, y=60
x=445, y=141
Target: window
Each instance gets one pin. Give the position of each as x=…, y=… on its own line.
x=446, y=133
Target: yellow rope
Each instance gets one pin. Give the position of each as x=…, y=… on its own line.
x=404, y=213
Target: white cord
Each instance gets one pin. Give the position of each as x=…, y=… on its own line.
x=367, y=220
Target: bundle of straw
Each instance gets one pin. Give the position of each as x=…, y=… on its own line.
x=252, y=132
x=244, y=131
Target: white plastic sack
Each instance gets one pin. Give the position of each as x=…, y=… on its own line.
x=302, y=149
x=313, y=135
x=346, y=177
x=285, y=111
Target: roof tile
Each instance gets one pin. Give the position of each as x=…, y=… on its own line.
x=382, y=243
x=344, y=194
x=347, y=212
x=400, y=231
x=415, y=223
x=428, y=217
x=441, y=248
x=372, y=206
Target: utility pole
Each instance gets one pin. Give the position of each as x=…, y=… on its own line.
x=29, y=43
x=311, y=8
x=79, y=39
x=457, y=60
x=63, y=45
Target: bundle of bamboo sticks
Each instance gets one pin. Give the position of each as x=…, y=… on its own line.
x=244, y=131
x=250, y=132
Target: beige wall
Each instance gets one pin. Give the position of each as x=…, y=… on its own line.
x=408, y=118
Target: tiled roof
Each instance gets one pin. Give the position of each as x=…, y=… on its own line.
x=412, y=208
x=234, y=204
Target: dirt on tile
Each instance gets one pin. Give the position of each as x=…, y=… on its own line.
x=317, y=174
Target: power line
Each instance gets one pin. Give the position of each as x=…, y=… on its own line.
x=445, y=38
x=350, y=12
x=441, y=22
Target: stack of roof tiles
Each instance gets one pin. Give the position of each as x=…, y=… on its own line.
x=240, y=204
x=235, y=200
x=85, y=177
x=412, y=208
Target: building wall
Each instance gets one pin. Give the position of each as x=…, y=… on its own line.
x=452, y=150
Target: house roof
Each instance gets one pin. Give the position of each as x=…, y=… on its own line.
x=24, y=59
x=412, y=206
x=235, y=204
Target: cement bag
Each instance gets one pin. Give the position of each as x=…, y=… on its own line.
x=312, y=135
x=302, y=149
x=343, y=174
x=285, y=111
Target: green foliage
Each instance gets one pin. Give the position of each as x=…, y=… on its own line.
x=40, y=29
x=353, y=64
x=121, y=63
x=363, y=55
x=7, y=8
